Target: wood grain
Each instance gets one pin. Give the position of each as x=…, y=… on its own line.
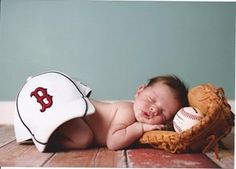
x=6, y=135
x=149, y=157
x=109, y=158
x=13, y=155
x=26, y=155
x=75, y=158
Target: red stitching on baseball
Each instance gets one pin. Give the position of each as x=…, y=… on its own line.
x=177, y=127
x=191, y=116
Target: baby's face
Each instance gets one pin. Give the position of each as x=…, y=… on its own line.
x=155, y=104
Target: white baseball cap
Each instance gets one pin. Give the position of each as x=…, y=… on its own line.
x=45, y=102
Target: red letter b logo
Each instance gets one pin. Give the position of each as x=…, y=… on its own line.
x=43, y=98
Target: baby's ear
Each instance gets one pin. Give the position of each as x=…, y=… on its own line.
x=140, y=89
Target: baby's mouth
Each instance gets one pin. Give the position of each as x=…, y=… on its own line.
x=147, y=115
x=150, y=115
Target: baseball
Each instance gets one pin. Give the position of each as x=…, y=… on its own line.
x=186, y=117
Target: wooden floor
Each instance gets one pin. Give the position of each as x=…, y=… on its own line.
x=12, y=154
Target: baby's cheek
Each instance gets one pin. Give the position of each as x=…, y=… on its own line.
x=142, y=119
x=138, y=115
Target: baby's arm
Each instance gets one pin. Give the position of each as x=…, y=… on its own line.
x=121, y=135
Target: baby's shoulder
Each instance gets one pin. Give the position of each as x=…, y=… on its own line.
x=125, y=110
x=124, y=105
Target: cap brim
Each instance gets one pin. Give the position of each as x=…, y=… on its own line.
x=21, y=132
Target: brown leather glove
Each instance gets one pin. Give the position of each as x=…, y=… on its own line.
x=217, y=122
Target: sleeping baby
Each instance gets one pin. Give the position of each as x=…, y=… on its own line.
x=53, y=126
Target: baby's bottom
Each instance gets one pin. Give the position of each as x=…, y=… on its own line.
x=74, y=134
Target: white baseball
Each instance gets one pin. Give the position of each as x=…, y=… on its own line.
x=186, y=117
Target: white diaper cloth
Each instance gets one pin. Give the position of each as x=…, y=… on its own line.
x=45, y=102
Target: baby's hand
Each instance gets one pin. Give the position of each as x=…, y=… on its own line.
x=149, y=127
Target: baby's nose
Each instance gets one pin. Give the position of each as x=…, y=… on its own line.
x=153, y=110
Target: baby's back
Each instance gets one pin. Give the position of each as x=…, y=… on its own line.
x=99, y=122
x=104, y=115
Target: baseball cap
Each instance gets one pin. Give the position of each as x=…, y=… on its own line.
x=45, y=102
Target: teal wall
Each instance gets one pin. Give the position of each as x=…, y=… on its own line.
x=115, y=46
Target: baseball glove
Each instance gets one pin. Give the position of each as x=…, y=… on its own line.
x=217, y=122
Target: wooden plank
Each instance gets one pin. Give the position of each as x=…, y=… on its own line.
x=226, y=159
x=14, y=154
x=149, y=157
x=73, y=158
x=96, y=157
x=226, y=153
x=6, y=135
x=109, y=158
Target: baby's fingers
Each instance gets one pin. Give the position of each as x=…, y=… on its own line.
x=149, y=127
x=159, y=126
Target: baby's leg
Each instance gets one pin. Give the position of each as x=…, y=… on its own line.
x=74, y=134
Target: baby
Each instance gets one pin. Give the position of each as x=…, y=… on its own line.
x=119, y=124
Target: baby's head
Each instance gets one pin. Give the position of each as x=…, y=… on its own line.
x=159, y=100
